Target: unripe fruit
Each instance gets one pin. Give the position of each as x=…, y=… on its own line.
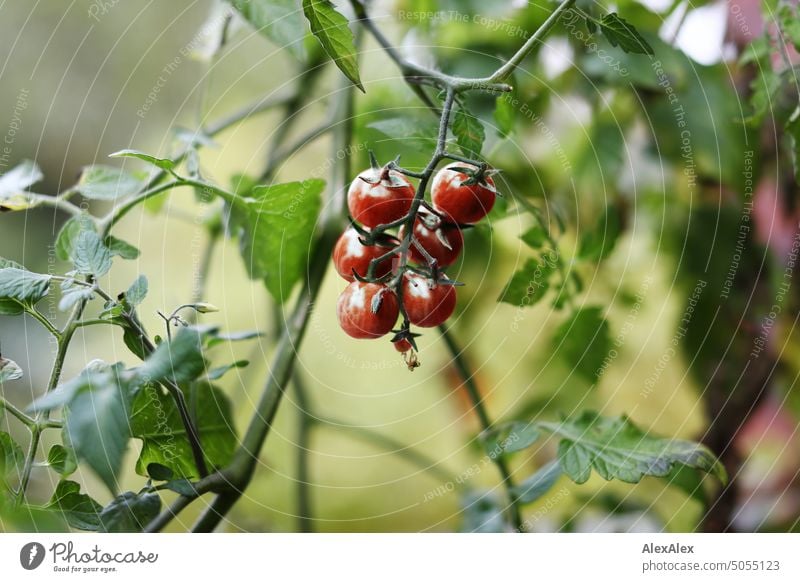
x=379, y=196
x=350, y=255
x=367, y=310
x=427, y=303
x=462, y=202
x=403, y=345
x=436, y=242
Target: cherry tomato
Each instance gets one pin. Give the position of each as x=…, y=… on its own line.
x=355, y=310
x=350, y=255
x=462, y=202
x=443, y=243
x=427, y=302
x=403, y=345
x=379, y=196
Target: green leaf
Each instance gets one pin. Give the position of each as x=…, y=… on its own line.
x=130, y=512
x=80, y=510
x=12, y=459
x=72, y=293
x=232, y=337
x=122, y=249
x=156, y=421
x=483, y=514
x=179, y=360
x=13, y=186
x=535, y=486
x=22, y=286
x=621, y=33
x=529, y=285
x=219, y=372
x=469, y=132
x=9, y=370
x=182, y=487
x=162, y=163
x=62, y=460
x=276, y=242
x=158, y=472
x=505, y=112
x=279, y=20
x=65, y=241
x=333, y=32
x=89, y=255
x=100, y=182
x=598, y=243
x=137, y=292
x=789, y=19
x=97, y=422
x=535, y=237
x=583, y=342
x=617, y=449
x=509, y=438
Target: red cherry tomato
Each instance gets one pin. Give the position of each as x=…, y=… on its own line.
x=403, y=345
x=462, y=203
x=355, y=310
x=350, y=255
x=436, y=242
x=379, y=196
x=427, y=303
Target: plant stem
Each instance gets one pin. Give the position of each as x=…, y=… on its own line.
x=16, y=412
x=305, y=425
x=471, y=387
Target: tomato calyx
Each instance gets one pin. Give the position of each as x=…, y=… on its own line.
x=386, y=175
x=478, y=176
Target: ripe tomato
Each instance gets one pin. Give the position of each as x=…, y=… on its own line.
x=436, y=242
x=379, y=196
x=427, y=302
x=350, y=255
x=462, y=202
x=403, y=345
x=355, y=310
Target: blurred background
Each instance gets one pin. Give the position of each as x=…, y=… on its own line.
x=684, y=285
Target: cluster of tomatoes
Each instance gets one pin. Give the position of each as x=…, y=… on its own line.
x=394, y=274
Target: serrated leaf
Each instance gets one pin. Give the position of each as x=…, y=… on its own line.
x=617, y=449
x=9, y=370
x=130, y=512
x=333, y=32
x=275, y=244
x=469, y=132
x=137, y=292
x=155, y=420
x=100, y=182
x=22, y=286
x=90, y=256
x=161, y=163
x=583, y=342
x=530, y=284
x=80, y=510
x=122, y=249
x=13, y=186
x=535, y=486
x=62, y=460
x=534, y=237
x=279, y=20
x=413, y=132
x=623, y=34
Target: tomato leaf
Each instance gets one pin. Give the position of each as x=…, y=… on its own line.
x=13, y=186
x=130, y=512
x=535, y=486
x=280, y=227
x=162, y=163
x=617, y=449
x=333, y=32
x=79, y=509
x=621, y=33
x=12, y=459
x=22, y=286
x=530, y=284
x=108, y=183
x=469, y=132
x=278, y=20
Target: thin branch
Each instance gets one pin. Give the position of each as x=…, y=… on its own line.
x=304, y=427
x=471, y=387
